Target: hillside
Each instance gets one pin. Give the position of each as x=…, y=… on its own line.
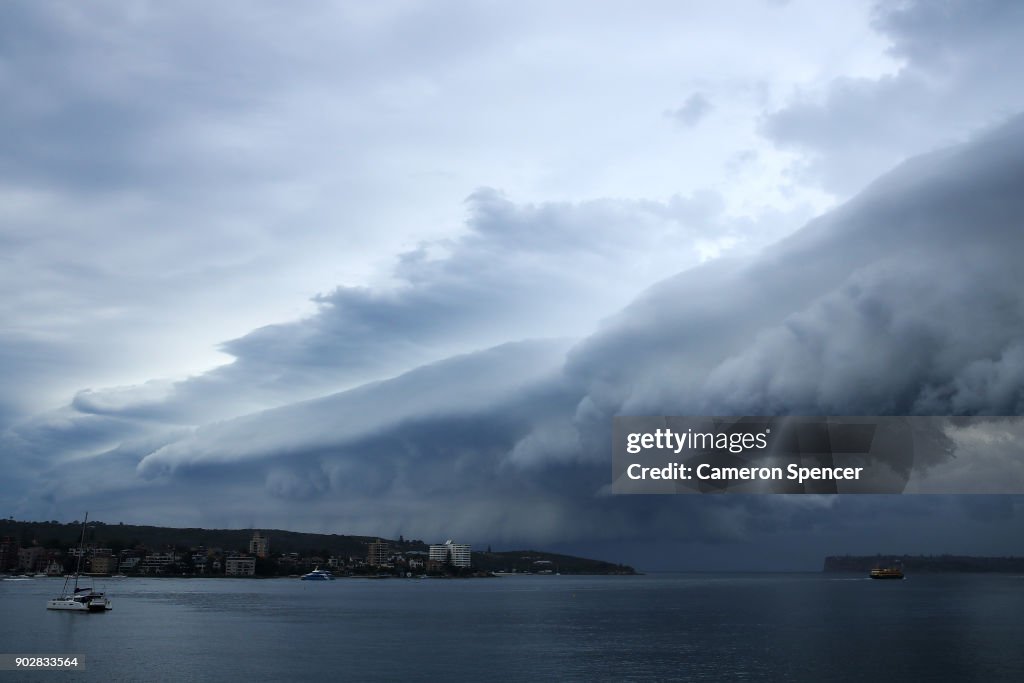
x=121, y=536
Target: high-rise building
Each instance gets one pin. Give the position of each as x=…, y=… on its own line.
x=378, y=553
x=259, y=545
x=456, y=554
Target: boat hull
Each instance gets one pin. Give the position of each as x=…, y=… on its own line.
x=98, y=603
x=886, y=573
x=67, y=605
x=91, y=602
x=318, y=575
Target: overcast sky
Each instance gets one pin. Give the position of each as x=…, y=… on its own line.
x=391, y=269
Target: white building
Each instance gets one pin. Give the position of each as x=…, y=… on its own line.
x=156, y=563
x=89, y=552
x=457, y=554
x=129, y=562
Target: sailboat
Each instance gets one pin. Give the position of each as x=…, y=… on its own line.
x=80, y=599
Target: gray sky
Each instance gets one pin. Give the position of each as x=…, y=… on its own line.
x=392, y=269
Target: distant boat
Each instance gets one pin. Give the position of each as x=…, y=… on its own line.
x=318, y=575
x=80, y=599
x=893, y=572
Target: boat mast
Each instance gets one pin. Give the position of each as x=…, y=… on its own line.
x=78, y=564
x=81, y=546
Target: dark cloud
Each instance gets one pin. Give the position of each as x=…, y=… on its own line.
x=887, y=305
x=907, y=300
x=456, y=385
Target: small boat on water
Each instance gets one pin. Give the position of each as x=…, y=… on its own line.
x=80, y=599
x=83, y=600
x=318, y=575
x=887, y=573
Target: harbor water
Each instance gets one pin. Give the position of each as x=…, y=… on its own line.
x=752, y=627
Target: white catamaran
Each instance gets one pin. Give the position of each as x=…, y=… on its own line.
x=80, y=599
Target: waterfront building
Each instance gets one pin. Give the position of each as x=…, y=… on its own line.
x=378, y=554
x=32, y=559
x=240, y=565
x=157, y=563
x=103, y=564
x=89, y=551
x=129, y=561
x=455, y=554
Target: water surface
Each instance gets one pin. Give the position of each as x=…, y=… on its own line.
x=753, y=627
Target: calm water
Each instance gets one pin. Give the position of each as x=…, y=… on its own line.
x=799, y=627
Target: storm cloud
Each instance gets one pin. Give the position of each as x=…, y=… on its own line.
x=886, y=306
x=519, y=271
x=512, y=243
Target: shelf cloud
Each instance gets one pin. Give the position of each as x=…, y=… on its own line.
x=393, y=270
x=906, y=300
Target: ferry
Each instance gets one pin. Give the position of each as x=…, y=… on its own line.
x=318, y=575
x=887, y=573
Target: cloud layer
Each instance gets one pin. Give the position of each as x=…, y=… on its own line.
x=952, y=81
x=889, y=305
x=629, y=243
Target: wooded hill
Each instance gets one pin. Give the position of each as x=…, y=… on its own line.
x=120, y=536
